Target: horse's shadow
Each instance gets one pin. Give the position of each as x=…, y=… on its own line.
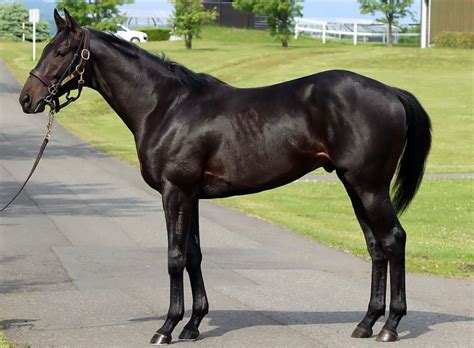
x=414, y=325
x=16, y=323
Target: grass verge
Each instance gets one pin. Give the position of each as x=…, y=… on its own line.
x=5, y=342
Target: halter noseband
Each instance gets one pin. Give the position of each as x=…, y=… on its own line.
x=83, y=52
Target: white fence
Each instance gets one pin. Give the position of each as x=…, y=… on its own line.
x=148, y=22
x=339, y=29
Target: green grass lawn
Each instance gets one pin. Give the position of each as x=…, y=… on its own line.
x=439, y=223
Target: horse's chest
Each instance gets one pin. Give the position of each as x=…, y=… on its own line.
x=179, y=165
x=151, y=167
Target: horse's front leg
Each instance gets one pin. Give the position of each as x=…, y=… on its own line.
x=193, y=266
x=177, y=206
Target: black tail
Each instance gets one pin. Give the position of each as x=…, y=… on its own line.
x=412, y=164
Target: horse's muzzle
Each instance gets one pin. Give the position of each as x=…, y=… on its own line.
x=26, y=102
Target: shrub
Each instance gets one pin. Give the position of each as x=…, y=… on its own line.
x=454, y=40
x=156, y=34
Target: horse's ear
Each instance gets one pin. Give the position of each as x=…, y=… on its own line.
x=71, y=22
x=60, y=22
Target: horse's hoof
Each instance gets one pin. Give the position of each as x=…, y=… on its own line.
x=386, y=336
x=159, y=339
x=361, y=332
x=188, y=335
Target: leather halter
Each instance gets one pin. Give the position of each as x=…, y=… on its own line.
x=83, y=52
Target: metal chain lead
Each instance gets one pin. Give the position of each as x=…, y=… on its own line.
x=49, y=127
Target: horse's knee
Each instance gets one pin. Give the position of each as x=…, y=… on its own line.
x=176, y=262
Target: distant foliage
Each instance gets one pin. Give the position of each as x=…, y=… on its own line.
x=156, y=34
x=392, y=11
x=10, y=23
x=416, y=29
x=280, y=15
x=454, y=40
x=188, y=18
x=98, y=14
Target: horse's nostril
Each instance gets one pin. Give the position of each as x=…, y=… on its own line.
x=26, y=100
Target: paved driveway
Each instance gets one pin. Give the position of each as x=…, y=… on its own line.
x=83, y=262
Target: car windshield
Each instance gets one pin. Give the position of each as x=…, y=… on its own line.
x=121, y=27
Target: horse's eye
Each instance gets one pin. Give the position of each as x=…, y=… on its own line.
x=60, y=54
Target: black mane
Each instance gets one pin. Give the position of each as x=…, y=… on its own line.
x=183, y=75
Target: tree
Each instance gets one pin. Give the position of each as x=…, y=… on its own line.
x=99, y=14
x=188, y=18
x=280, y=15
x=11, y=16
x=391, y=9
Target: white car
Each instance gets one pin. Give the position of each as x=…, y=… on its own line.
x=131, y=35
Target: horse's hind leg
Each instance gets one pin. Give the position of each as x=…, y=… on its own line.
x=379, y=268
x=385, y=242
x=193, y=266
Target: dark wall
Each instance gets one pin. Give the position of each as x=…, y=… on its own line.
x=230, y=17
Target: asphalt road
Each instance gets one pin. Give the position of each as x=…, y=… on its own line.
x=83, y=262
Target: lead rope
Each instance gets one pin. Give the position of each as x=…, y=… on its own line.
x=49, y=129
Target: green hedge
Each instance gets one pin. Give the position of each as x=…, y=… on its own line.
x=156, y=34
x=454, y=40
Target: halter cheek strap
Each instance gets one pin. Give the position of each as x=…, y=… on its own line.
x=83, y=52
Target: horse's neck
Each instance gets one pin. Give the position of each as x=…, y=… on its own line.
x=131, y=87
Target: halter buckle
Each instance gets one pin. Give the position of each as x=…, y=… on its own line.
x=85, y=54
x=80, y=69
x=52, y=90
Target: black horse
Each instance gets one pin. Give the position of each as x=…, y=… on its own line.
x=198, y=137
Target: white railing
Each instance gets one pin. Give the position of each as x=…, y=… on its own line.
x=146, y=22
x=339, y=29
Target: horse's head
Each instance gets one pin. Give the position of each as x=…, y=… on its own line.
x=49, y=79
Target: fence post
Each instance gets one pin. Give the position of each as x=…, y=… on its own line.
x=424, y=24
x=23, y=28
x=324, y=32
x=34, y=41
x=296, y=28
x=355, y=33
